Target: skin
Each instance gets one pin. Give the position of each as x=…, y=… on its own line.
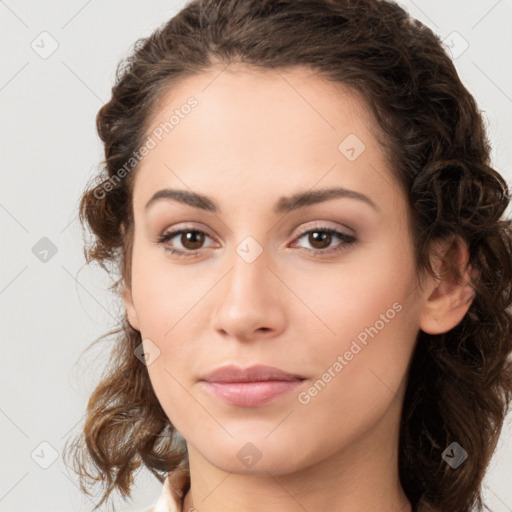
x=255, y=137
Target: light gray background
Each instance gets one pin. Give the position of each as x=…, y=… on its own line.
x=52, y=310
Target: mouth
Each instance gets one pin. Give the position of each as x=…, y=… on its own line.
x=256, y=373
x=250, y=387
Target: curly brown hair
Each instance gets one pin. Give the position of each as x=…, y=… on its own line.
x=460, y=382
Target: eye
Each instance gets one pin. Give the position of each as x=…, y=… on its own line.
x=321, y=237
x=191, y=241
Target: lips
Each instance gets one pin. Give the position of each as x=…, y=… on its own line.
x=255, y=373
x=250, y=387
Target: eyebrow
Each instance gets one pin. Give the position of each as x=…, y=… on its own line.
x=283, y=205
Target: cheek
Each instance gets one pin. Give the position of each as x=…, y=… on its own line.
x=361, y=370
x=347, y=299
x=168, y=300
x=164, y=293
x=367, y=330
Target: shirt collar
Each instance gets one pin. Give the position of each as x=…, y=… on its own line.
x=175, y=486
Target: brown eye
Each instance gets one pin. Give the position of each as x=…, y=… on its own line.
x=183, y=242
x=319, y=239
x=192, y=239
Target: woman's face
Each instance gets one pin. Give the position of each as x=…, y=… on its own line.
x=260, y=281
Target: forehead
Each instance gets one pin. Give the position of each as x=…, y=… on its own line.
x=250, y=127
x=263, y=101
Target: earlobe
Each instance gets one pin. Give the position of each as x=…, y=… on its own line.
x=448, y=299
x=129, y=307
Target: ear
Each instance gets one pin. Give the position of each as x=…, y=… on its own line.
x=447, y=298
x=129, y=307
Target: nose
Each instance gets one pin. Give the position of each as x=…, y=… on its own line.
x=250, y=301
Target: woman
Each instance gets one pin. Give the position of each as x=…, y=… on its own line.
x=314, y=266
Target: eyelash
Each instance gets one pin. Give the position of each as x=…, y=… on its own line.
x=347, y=239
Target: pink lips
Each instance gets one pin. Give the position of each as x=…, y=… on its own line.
x=252, y=386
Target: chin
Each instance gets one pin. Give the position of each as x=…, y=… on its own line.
x=258, y=455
